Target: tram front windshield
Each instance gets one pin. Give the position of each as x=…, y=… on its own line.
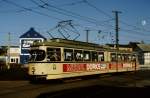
x=37, y=55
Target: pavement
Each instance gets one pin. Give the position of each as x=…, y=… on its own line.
x=15, y=84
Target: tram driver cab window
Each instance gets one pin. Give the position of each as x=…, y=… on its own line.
x=53, y=54
x=36, y=55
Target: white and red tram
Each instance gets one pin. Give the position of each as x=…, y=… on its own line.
x=60, y=58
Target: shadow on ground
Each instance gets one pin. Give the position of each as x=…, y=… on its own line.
x=98, y=91
x=13, y=74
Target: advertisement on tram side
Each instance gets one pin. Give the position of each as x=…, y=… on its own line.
x=74, y=67
x=97, y=66
x=83, y=67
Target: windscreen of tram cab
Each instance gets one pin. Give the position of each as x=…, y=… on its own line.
x=37, y=55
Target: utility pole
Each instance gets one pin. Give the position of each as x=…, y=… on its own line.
x=117, y=35
x=8, y=54
x=87, y=35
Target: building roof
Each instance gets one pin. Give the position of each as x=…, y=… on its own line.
x=144, y=47
x=32, y=34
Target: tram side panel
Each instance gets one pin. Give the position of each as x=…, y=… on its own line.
x=66, y=70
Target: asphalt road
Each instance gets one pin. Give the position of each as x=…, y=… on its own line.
x=117, y=85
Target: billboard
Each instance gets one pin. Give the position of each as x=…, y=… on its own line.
x=26, y=43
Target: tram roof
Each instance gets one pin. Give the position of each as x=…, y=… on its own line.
x=58, y=42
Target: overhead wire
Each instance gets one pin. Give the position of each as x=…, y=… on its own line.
x=54, y=10
x=72, y=3
x=101, y=11
x=133, y=35
x=78, y=16
x=135, y=32
x=97, y=9
x=17, y=10
x=30, y=10
x=75, y=15
x=133, y=26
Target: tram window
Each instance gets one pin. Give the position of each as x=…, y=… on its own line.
x=113, y=57
x=129, y=58
x=100, y=56
x=119, y=57
x=53, y=54
x=37, y=55
x=94, y=56
x=78, y=55
x=125, y=56
x=87, y=56
x=133, y=58
x=68, y=54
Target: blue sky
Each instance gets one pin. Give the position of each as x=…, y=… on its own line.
x=17, y=16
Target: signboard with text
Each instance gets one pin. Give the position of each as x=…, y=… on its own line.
x=26, y=43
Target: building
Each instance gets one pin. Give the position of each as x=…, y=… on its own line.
x=9, y=56
x=143, y=53
x=26, y=40
x=14, y=55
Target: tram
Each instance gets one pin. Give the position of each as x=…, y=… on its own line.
x=61, y=58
